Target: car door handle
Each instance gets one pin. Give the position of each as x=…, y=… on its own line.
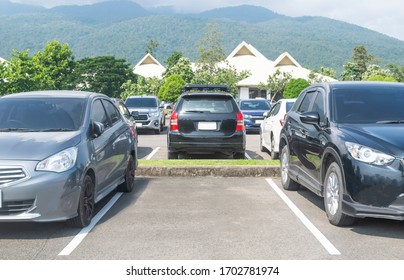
x=303, y=131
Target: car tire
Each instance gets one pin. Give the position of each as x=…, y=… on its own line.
x=262, y=148
x=333, y=191
x=85, y=210
x=274, y=155
x=287, y=182
x=128, y=184
x=172, y=155
x=239, y=155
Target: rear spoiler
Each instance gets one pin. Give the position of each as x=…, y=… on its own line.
x=205, y=88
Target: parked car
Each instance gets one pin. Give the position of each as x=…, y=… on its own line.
x=205, y=121
x=61, y=152
x=147, y=112
x=344, y=141
x=253, y=111
x=272, y=124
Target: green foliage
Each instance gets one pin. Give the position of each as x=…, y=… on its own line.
x=152, y=46
x=397, y=72
x=142, y=86
x=172, y=88
x=275, y=83
x=377, y=73
x=211, y=50
x=103, y=74
x=354, y=70
x=294, y=87
x=183, y=68
x=173, y=59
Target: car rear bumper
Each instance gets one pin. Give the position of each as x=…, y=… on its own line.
x=197, y=144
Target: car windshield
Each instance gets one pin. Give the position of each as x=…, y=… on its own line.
x=41, y=114
x=212, y=104
x=369, y=105
x=141, y=103
x=251, y=105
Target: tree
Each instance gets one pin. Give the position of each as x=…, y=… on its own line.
x=294, y=87
x=172, y=88
x=397, y=72
x=353, y=70
x=211, y=51
x=376, y=73
x=152, y=46
x=142, y=86
x=276, y=83
x=103, y=74
x=173, y=59
x=183, y=68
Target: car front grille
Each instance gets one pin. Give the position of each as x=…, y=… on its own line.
x=15, y=207
x=9, y=174
x=141, y=118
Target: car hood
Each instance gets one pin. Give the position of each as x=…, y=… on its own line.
x=35, y=145
x=388, y=138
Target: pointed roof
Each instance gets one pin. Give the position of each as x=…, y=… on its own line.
x=286, y=59
x=2, y=60
x=245, y=49
x=149, y=67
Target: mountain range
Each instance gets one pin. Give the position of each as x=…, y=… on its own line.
x=123, y=29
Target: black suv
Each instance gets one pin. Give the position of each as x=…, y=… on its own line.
x=206, y=120
x=344, y=141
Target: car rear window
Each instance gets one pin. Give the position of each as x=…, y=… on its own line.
x=41, y=113
x=212, y=104
x=141, y=102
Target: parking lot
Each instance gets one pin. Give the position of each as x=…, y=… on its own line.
x=209, y=218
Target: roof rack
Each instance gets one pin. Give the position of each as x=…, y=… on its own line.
x=205, y=87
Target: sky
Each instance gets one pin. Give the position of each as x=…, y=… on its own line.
x=386, y=16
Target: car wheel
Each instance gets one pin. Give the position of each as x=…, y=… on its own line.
x=274, y=155
x=333, y=191
x=85, y=209
x=172, y=155
x=157, y=131
x=239, y=155
x=287, y=182
x=127, y=185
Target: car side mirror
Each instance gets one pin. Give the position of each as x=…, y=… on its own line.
x=310, y=118
x=266, y=114
x=97, y=129
x=135, y=114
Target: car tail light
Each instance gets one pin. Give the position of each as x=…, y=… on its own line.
x=174, y=121
x=240, y=122
x=282, y=121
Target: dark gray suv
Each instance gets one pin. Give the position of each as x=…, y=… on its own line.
x=61, y=152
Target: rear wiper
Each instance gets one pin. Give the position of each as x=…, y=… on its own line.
x=56, y=129
x=197, y=111
x=390, y=121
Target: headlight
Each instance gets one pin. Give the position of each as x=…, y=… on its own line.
x=368, y=155
x=154, y=114
x=59, y=162
x=247, y=116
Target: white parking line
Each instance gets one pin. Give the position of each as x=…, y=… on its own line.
x=247, y=155
x=84, y=231
x=320, y=237
x=153, y=153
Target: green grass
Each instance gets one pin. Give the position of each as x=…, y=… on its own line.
x=207, y=162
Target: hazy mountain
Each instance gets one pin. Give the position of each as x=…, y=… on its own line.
x=9, y=8
x=123, y=29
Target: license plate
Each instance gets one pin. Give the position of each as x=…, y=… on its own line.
x=139, y=124
x=207, y=126
x=258, y=121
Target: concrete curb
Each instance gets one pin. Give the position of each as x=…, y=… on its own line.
x=213, y=171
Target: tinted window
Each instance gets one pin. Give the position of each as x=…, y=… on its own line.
x=42, y=114
x=212, y=104
x=254, y=105
x=368, y=105
x=318, y=106
x=289, y=106
x=141, y=102
x=98, y=113
x=308, y=98
x=275, y=109
x=111, y=111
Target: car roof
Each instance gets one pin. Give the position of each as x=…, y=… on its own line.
x=204, y=93
x=54, y=94
x=141, y=96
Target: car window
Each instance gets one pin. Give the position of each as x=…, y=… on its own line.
x=42, y=113
x=275, y=109
x=212, y=104
x=254, y=105
x=139, y=102
x=307, y=99
x=98, y=113
x=318, y=106
x=289, y=106
x=111, y=111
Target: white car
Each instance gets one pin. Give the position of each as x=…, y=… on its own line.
x=270, y=128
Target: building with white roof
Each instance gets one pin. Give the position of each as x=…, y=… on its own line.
x=149, y=67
